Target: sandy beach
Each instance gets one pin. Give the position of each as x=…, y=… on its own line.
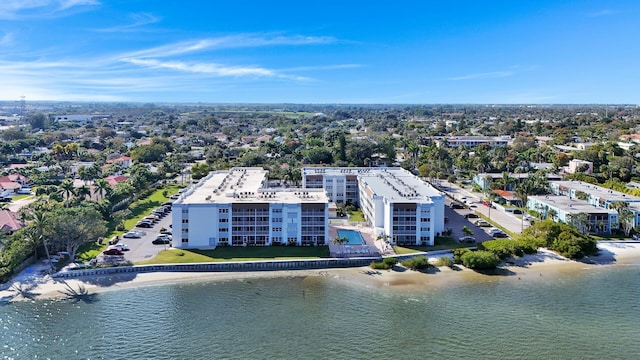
x=544, y=264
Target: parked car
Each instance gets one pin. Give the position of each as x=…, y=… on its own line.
x=455, y=205
x=517, y=211
x=482, y=223
x=467, y=239
x=5, y=199
x=173, y=197
x=113, y=251
x=144, y=224
x=471, y=216
x=166, y=232
x=121, y=247
x=161, y=240
x=132, y=235
x=167, y=203
x=500, y=235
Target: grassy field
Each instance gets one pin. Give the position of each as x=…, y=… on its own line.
x=139, y=209
x=20, y=197
x=356, y=216
x=234, y=253
x=441, y=243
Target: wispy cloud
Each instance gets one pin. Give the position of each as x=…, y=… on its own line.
x=494, y=74
x=600, y=13
x=226, y=42
x=6, y=39
x=323, y=67
x=17, y=9
x=138, y=20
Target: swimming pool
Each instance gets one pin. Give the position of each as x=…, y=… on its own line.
x=353, y=237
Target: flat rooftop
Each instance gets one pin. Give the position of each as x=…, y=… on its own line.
x=246, y=185
x=595, y=190
x=394, y=183
x=572, y=206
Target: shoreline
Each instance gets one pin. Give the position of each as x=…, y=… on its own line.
x=539, y=266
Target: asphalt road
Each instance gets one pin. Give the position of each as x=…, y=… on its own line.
x=507, y=220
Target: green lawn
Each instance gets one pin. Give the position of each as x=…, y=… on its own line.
x=20, y=197
x=236, y=253
x=356, y=216
x=139, y=209
x=441, y=243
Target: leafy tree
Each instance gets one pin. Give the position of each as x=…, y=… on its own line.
x=70, y=228
x=38, y=121
x=199, y=170
x=149, y=153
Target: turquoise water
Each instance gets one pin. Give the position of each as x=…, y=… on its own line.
x=354, y=237
x=593, y=314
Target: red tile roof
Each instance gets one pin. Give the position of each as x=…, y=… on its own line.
x=9, y=221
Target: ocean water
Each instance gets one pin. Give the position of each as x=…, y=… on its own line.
x=590, y=314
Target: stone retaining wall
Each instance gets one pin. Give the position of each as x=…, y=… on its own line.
x=224, y=267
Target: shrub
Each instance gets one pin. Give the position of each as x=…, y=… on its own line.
x=380, y=265
x=444, y=261
x=504, y=249
x=480, y=260
x=416, y=263
x=391, y=261
x=457, y=254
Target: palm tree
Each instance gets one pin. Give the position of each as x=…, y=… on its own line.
x=66, y=189
x=101, y=187
x=37, y=229
x=551, y=214
x=83, y=191
x=626, y=217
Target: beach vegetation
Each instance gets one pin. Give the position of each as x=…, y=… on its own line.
x=458, y=253
x=444, y=261
x=562, y=238
x=416, y=263
x=385, y=264
x=480, y=260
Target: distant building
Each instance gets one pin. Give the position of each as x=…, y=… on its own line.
x=484, y=180
x=74, y=118
x=123, y=161
x=577, y=165
x=472, y=141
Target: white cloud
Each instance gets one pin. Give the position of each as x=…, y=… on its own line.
x=137, y=20
x=513, y=70
x=226, y=42
x=16, y=9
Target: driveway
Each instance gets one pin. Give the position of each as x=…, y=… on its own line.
x=507, y=220
x=457, y=221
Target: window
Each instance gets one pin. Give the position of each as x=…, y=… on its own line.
x=276, y=229
x=224, y=240
x=223, y=211
x=277, y=220
x=224, y=229
x=277, y=211
x=185, y=221
x=185, y=240
x=425, y=219
x=224, y=220
x=185, y=231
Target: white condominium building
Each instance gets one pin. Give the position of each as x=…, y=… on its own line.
x=394, y=202
x=236, y=208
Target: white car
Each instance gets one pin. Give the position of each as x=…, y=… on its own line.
x=133, y=235
x=121, y=247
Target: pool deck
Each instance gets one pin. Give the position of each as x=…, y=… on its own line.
x=372, y=246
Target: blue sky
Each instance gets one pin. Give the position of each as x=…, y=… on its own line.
x=500, y=52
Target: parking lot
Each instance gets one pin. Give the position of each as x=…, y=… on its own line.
x=457, y=221
x=141, y=249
